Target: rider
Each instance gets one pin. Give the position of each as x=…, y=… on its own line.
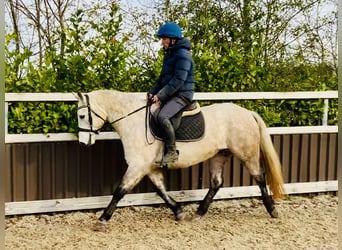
x=174, y=88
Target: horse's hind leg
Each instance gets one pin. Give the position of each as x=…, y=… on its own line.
x=266, y=198
x=157, y=178
x=216, y=165
x=259, y=176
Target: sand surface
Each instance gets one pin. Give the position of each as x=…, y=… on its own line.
x=304, y=223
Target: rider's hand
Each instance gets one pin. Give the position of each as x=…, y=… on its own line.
x=149, y=96
x=155, y=99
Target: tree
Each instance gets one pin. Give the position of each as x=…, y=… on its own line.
x=246, y=39
x=87, y=52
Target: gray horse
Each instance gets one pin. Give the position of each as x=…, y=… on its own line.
x=229, y=130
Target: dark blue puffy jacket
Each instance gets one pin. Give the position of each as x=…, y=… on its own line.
x=177, y=75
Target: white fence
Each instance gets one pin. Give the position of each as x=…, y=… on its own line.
x=12, y=208
x=213, y=96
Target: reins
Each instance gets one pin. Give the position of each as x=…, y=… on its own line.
x=147, y=117
x=125, y=116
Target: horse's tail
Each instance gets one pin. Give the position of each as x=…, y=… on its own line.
x=273, y=171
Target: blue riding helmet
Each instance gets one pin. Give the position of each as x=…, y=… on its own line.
x=170, y=29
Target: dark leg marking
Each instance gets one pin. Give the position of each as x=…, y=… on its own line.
x=216, y=181
x=108, y=212
x=204, y=204
x=266, y=198
x=157, y=179
x=171, y=203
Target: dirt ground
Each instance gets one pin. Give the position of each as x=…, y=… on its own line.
x=304, y=223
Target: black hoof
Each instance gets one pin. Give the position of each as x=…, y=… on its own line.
x=201, y=212
x=274, y=213
x=178, y=213
x=100, y=226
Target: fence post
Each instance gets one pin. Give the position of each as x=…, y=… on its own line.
x=6, y=118
x=326, y=112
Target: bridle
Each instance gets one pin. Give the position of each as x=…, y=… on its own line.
x=87, y=106
x=90, y=111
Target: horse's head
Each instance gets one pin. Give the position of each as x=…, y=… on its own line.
x=90, y=120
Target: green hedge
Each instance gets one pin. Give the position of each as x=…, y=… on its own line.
x=102, y=61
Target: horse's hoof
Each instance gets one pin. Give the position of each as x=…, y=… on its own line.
x=180, y=217
x=100, y=226
x=274, y=213
x=196, y=217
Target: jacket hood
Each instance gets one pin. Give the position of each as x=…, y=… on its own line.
x=182, y=43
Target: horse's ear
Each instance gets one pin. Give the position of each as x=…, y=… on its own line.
x=78, y=96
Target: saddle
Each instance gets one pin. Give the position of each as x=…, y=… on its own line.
x=188, y=124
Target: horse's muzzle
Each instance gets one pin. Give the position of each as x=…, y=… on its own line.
x=86, y=138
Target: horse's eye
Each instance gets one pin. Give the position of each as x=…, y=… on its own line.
x=82, y=116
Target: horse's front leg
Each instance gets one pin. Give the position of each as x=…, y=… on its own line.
x=158, y=180
x=131, y=178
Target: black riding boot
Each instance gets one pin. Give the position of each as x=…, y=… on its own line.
x=171, y=154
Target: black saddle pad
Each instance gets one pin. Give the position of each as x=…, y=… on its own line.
x=191, y=128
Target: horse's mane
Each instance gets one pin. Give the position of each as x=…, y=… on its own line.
x=121, y=101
